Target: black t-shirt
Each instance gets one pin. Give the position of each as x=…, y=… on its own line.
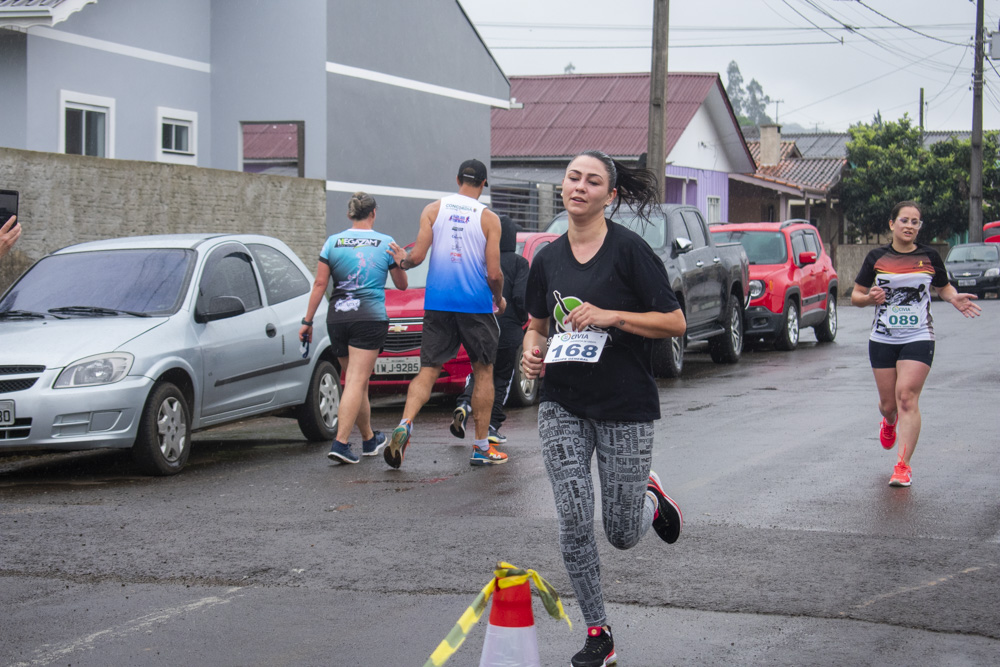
x=624, y=275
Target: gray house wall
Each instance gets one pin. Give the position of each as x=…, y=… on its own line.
x=268, y=65
x=385, y=137
x=261, y=61
x=138, y=86
x=13, y=88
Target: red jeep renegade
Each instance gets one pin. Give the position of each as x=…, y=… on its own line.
x=792, y=281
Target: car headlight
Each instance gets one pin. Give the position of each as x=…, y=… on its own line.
x=96, y=370
x=992, y=272
x=756, y=288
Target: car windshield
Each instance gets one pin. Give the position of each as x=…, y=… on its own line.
x=148, y=281
x=654, y=231
x=761, y=247
x=971, y=253
x=415, y=277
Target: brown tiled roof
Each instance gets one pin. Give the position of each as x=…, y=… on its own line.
x=812, y=173
x=566, y=114
x=788, y=150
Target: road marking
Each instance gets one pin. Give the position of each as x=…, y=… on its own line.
x=913, y=589
x=86, y=643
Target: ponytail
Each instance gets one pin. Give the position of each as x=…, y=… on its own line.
x=636, y=187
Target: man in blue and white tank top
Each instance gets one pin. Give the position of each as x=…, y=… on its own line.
x=464, y=289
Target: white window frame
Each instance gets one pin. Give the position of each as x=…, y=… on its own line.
x=714, y=209
x=69, y=99
x=177, y=117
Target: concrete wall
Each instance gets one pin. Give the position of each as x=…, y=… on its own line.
x=68, y=199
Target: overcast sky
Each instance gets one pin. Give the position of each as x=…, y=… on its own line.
x=791, y=47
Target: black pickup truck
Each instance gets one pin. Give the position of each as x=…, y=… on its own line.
x=711, y=280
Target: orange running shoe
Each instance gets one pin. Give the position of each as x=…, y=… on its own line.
x=901, y=475
x=887, y=433
x=489, y=457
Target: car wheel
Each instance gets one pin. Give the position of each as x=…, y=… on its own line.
x=163, y=443
x=826, y=330
x=727, y=347
x=317, y=417
x=523, y=392
x=668, y=357
x=788, y=335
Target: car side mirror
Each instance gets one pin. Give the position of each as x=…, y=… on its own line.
x=220, y=308
x=808, y=257
x=682, y=245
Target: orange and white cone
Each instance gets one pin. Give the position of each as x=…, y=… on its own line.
x=510, y=635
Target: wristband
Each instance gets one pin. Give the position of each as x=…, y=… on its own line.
x=306, y=322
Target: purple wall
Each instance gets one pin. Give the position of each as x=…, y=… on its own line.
x=701, y=185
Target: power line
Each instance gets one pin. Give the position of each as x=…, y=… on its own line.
x=955, y=71
x=864, y=83
x=937, y=39
x=698, y=28
x=591, y=47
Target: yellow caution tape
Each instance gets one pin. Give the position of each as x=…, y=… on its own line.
x=505, y=576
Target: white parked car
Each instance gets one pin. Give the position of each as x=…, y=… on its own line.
x=137, y=342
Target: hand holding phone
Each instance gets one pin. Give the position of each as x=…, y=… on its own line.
x=9, y=231
x=8, y=206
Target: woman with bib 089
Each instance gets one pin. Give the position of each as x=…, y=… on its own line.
x=896, y=279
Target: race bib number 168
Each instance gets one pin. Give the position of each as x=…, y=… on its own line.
x=585, y=346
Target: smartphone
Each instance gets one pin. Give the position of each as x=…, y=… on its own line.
x=8, y=205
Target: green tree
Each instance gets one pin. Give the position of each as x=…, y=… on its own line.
x=947, y=190
x=755, y=105
x=735, y=88
x=888, y=163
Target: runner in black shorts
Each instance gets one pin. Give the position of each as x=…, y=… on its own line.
x=896, y=279
x=464, y=290
x=357, y=260
x=444, y=332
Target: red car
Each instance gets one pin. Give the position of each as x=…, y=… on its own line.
x=793, y=283
x=400, y=359
x=991, y=232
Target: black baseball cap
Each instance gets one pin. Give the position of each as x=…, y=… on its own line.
x=473, y=171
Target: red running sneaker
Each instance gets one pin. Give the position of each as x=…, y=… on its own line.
x=887, y=433
x=901, y=475
x=667, y=520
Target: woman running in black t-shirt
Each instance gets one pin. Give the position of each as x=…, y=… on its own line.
x=896, y=279
x=602, y=295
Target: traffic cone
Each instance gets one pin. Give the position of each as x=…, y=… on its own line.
x=510, y=635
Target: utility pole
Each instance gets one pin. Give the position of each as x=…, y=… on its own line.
x=976, y=168
x=921, y=114
x=656, y=149
x=776, y=103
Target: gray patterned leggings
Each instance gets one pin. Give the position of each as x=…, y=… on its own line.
x=624, y=455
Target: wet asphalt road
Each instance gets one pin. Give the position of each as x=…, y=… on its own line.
x=795, y=551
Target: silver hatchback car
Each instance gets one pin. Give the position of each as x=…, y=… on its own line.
x=137, y=342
